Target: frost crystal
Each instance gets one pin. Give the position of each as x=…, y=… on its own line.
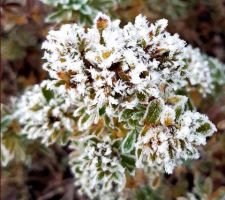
x=199, y=75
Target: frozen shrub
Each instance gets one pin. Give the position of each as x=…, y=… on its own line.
x=112, y=93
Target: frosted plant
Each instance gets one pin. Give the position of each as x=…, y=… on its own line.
x=44, y=115
x=97, y=169
x=112, y=93
x=200, y=75
x=122, y=81
x=121, y=78
x=83, y=10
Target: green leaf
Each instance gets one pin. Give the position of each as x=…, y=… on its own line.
x=126, y=114
x=100, y=175
x=128, y=162
x=36, y=107
x=153, y=111
x=102, y=111
x=85, y=118
x=85, y=19
x=59, y=83
x=116, y=144
x=176, y=99
x=190, y=106
x=178, y=111
x=85, y=10
x=129, y=141
x=132, y=123
x=56, y=16
x=48, y=94
x=204, y=128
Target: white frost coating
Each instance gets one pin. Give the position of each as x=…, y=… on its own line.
x=97, y=169
x=106, y=64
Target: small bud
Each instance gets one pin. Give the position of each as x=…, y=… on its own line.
x=101, y=23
